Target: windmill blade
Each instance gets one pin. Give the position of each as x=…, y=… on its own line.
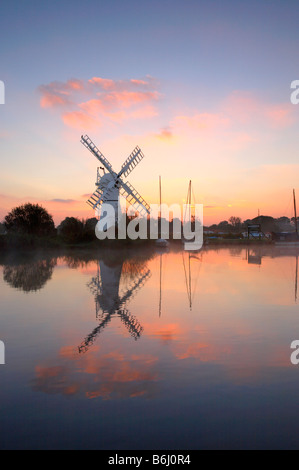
x=90, y=339
x=96, y=198
x=88, y=143
x=134, y=198
x=131, y=323
x=137, y=285
x=95, y=286
x=99, y=197
x=132, y=161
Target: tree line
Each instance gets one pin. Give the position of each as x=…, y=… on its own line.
x=28, y=223
x=268, y=224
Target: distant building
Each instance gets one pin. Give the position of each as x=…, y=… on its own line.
x=285, y=236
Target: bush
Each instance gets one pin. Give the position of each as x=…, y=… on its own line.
x=30, y=219
x=71, y=230
x=89, y=229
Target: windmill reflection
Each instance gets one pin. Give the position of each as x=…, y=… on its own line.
x=111, y=300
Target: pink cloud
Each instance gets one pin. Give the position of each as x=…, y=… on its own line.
x=202, y=121
x=245, y=108
x=124, y=85
x=114, y=100
x=280, y=116
x=49, y=100
x=58, y=93
x=93, y=107
x=143, y=113
x=79, y=120
x=138, y=82
x=75, y=84
x=105, y=83
x=130, y=98
x=164, y=134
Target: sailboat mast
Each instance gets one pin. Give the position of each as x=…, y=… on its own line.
x=160, y=192
x=190, y=201
x=160, y=197
x=295, y=211
x=296, y=279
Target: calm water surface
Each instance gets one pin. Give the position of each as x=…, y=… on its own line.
x=150, y=350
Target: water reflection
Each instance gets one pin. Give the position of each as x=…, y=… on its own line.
x=106, y=376
x=191, y=282
x=253, y=256
x=117, y=280
x=28, y=274
x=210, y=359
x=110, y=300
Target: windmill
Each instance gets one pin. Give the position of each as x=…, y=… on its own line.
x=110, y=184
x=110, y=302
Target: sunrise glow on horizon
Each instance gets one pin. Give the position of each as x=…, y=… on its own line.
x=203, y=88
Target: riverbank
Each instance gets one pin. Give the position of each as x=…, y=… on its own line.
x=30, y=242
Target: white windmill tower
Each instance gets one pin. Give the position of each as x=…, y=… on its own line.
x=111, y=184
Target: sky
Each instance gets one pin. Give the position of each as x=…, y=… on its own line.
x=202, y=87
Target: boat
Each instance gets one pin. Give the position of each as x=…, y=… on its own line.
x=288, y=238
x=161, y=242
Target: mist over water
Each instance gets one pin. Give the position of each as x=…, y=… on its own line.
x=150, y=349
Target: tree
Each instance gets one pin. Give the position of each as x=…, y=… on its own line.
x=224, y=226
x=2, y=229
x=30, y=219
x=89, y=229
x=284, y=224
x=235, y=222
x=224, y=223
x=71, y=230
x=268, y=224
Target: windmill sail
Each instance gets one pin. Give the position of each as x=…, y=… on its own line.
x=111, y=184
x=96, y=198
x=134, y=198
x=89, y=340
x=88, y=143
x=99, y=197
x=131, y=323
x=132, y=161
x=131, y=291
